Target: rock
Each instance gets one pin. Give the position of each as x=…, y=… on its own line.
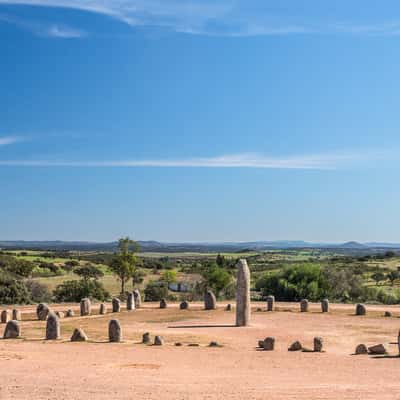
x=214, y=344
x=184, y=305
x=163, y=303
x=13, y=330
x=60, y=314
x=228, y=307
x=5, y=316
x=361, y=349
x=325, y=305
x=304, y=305
x=360, y=309
x=42, y=310
x=16, y=315
x=243, y=310
x=146, y=338
x=138, y=298
x=52, y=327
x=103, y=309
x=130, y=302
x=210, y=301
x=114, y=331
x=116, y=305
x=85, y=307
x=388, y=314
x=178, y=344
x=193, y=345
x=259, y=309
x=295, y=346
x=261, y=344
x=79, y=335
x=318, y=344
x=158, y=341
x=268, y=343
x=270, y=303
x=70, y=313
x=377, y=349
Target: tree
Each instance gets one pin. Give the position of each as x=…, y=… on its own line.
x=378, y=276
x=124, y=263
x=392, y=276
x=215, y=277
x=169, y=276
x=87, y=272
x=138, y=277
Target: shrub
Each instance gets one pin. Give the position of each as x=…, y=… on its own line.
x=74, y=291
x=38, y=292
x=13, y=290
x=155, y=291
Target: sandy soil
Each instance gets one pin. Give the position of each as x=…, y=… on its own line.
x=32, y=368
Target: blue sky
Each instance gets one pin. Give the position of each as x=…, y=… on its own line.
x=199, y=120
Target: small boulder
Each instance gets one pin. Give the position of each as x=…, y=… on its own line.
x=13, y=330
x=79, y=335
x=361, y=349
x=214, y=344
x=388, y=314
x=146, y=338
x=42, y=310
x=228, y=307
x=184, y=305
x=114, y=331
x=304, y=305
x=178, y=344
x=103, y=309
x=318, y=344
x=261, y=344
x=269, y=343
x=163, y=303
x=70, y=313
x=360, y=309
x=325, y=305
x=377, y=349
x=158, y=341
x=295, y=346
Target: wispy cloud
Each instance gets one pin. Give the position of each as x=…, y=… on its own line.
x=247, y=160
x=225, y=17
x=5, y=140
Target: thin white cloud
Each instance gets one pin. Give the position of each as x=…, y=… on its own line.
x=248, y=160
x=224, y=17
x=5, y=140
x=63, y=32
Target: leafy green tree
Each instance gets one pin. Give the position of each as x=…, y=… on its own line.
x=169, y=276
x=138, y=277
x=215, y=277
x=378, y=276
x=87, y=272
x=155, y=291
x=392, y=276
x=125, y=262
x=74, y=291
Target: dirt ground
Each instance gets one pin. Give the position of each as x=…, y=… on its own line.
x=32, y=368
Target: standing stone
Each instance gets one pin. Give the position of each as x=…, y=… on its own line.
x=5, y=316
x=70, y=313
x=377, y=349
x=228, y=307
x=146, y=338
x=325, y=305
x=79, y=335
x=304, y=305
x=184, y=305
x=318, y=344
x=243, y=310
x=270, y=303
x=163, y=303
x=114, y=331
x=361, y=349
x=360, y=309
x=42, y=310
x=210, y=302
x=130, y=302
x=52, y=327
x=116, y=305
x=103, y=308
x=85, y=307
x=16, y=315
x=158, y=341
x=295, y=346
x=268, y=343
x=13, y=330
x=138, y=298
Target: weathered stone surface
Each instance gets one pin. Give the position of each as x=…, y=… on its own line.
x=85, y=307
x=42, y=310
x=184, y=305
x=138, y=298
x=116, y=305
x=388, y=314
x=79, y=335
x=114, y=331
x=361, y=349
x=243, y=310
x=60, y=314
x=103, y=308
x=261, y=343
x=146, y=338
x=268, y=343
x=325, y=305
x=377, y=349
x=158, y=341
x=360, y=309
x=70, y=313
x=214, y=344
x=163, y=303
x=52, y=327
x=210, y=301
x=228, y=307
x=130, y=302
x=304, y=305
x=16, y=315
x=5, y=316
x=318, y=344
x=295, y=346
x=13, y=330
x=270, y=303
